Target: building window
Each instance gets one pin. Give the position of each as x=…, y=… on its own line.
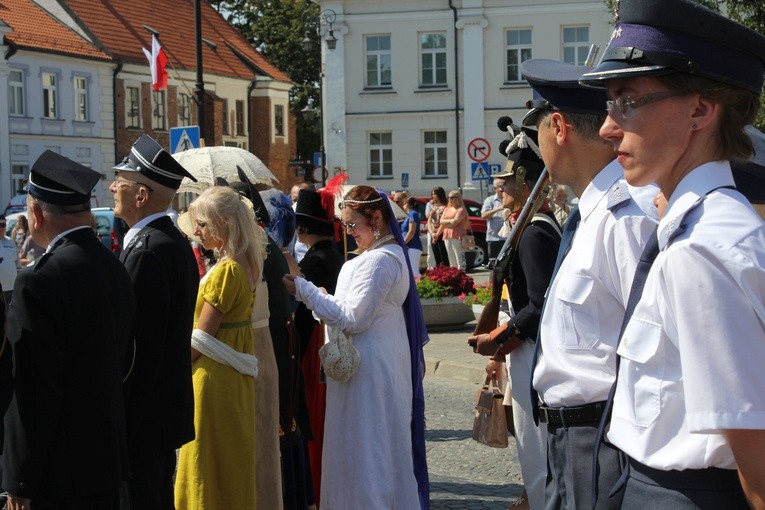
x=240, y=118
x=80, y=98
x=50, y=93
x=158, y=115
x=433, y=59
x=133, y=107
x=184, y=109
x=380, y=154
x=435, y=150
x=378, y=57
x=19, y=174
x=16, y=93
x=279, y=120
x=517, y=50
x=576, y=45
x=226, y=113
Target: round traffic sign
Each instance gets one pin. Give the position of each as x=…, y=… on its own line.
x=479, y=149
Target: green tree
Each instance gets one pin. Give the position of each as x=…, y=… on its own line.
x=750, y=13
x=277, y=28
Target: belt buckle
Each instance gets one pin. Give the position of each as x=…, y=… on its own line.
x=544, y=415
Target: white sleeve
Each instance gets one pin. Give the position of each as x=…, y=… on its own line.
x=373, y=278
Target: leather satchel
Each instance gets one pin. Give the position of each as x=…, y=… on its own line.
x=468, y=242
x=490, y=423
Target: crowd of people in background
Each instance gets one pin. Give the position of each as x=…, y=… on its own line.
x=278, y=344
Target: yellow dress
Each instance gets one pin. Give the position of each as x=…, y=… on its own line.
x=217, y=470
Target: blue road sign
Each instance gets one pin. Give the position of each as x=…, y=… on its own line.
x=184, y=138
x=317, y=159
x=480, y=171
x=495, y=168
x=404, y=180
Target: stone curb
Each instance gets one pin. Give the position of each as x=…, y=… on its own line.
x=454, y=370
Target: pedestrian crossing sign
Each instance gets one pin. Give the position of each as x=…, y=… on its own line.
x=184, y=138
x=480, y=171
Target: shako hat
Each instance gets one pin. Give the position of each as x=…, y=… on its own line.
x=58, y=180
x=148, y=158
x=655, y=37
x=556, y=86
x=522, y=157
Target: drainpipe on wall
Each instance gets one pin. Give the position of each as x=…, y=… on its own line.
x=250, y=129
x=456, y=97
x=117, y=71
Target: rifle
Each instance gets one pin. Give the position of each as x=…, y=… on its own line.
x=500, y=271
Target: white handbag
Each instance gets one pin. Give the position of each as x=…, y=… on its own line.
x=339, y=357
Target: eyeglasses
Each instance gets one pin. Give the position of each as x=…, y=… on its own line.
x=628, y=103
x=125, y=182
x=350, y=225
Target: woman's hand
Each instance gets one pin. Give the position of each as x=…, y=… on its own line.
x=289, y=283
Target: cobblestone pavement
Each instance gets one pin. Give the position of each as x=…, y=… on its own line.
x=463, y=473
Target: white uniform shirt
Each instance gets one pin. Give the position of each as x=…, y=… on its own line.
x=585, y=303
x=495, y=222
x=9, y=263
x=693, y=351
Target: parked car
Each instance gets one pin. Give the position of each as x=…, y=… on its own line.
x=110, y=229
x=17, y=204
x=473, y=258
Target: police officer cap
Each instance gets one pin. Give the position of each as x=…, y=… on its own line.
x=148, y=158
x=60, y=181
x=556, y=87
x=655, y=37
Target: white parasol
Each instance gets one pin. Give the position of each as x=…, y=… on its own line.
x=209, y=163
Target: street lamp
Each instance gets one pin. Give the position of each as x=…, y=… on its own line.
x=326, y=18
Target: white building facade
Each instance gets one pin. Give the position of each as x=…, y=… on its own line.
x=413, y=90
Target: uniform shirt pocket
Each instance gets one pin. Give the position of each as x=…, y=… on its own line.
x=579, y=317
x=641, y=373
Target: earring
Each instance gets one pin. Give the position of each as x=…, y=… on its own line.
x=693, y=126
x=376, y=233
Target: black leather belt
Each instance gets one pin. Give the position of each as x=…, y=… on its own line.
x=588, y=413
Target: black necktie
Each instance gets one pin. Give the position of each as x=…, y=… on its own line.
x=569, y=229
x=636, y=291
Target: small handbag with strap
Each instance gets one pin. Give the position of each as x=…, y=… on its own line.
x=468, y=240
x=490, y=423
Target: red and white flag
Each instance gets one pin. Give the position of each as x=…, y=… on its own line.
x=158, y=63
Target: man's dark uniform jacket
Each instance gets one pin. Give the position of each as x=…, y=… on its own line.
x=69, y=325
x=158, y=391
x=529, y=278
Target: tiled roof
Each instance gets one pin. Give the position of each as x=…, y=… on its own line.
x=118, y=25
x=34, y=29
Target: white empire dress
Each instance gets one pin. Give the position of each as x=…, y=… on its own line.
x=367, y=460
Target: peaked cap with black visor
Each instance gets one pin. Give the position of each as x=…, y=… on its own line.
x=656, y=37
x=58, y=180
x=148, y=158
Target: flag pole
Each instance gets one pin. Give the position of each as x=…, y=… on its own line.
x=200, y=78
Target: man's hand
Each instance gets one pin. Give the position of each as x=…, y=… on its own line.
x=483, y=344
x=495, y=367
x=15, y=503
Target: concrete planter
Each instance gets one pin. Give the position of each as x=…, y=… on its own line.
x=449, y=311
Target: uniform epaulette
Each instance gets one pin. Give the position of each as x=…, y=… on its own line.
x=618, y=196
